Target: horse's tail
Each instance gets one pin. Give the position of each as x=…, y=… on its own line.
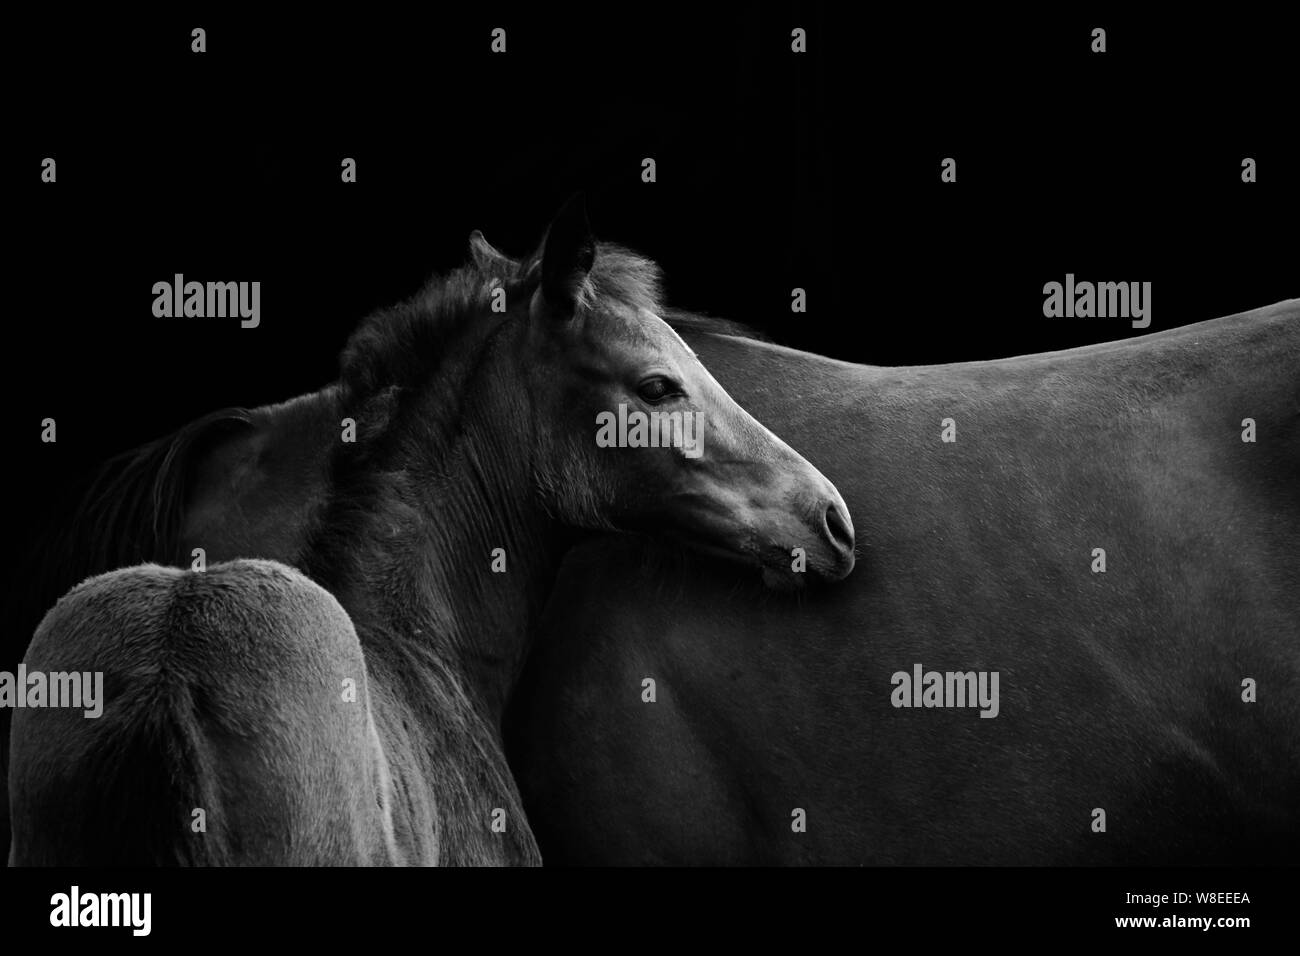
x=226, y=730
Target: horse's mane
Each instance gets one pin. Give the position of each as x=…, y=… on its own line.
x=401, y=346
x=132, y=507
x=693, y=322
x=135, y=506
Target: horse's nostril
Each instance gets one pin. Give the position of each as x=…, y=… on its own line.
x=837, y=525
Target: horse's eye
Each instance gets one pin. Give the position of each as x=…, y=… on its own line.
x=655, y=390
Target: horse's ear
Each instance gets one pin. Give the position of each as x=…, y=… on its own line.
x=568, y=253
x=488, y=258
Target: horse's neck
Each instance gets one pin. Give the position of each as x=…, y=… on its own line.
x=462, y=572
x=254, y=493
x=444, y=634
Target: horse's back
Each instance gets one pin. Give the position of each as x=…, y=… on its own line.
x=228, y=733
x=1121, y=689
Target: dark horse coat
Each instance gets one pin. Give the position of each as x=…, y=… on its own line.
x=1120, y=691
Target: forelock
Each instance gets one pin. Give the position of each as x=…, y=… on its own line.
x=621, y=276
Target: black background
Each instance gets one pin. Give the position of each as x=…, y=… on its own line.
x=744, y=910
x=775, y=170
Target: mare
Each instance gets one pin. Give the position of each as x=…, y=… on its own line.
x=1149, y=712
x=428, y=557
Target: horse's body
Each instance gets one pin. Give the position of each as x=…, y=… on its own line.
x=230, y=739
x=431, y=495
x=1120, y=690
